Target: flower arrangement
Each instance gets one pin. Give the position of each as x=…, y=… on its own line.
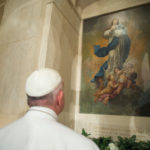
x=123, y=143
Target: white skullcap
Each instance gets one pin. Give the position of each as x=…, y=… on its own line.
x=42, y=82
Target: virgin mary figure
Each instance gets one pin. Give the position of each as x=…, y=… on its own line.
x=117, y=49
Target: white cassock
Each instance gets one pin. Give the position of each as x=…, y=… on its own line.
x=39, y=130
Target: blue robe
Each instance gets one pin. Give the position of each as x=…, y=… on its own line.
x=102, y=52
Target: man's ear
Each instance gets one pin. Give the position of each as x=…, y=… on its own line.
x=60, y=97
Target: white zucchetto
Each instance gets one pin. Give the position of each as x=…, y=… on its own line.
x=42, y=82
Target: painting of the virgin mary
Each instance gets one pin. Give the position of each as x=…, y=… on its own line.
x=116, y=63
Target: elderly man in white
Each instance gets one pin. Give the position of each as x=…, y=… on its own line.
x=39, y=129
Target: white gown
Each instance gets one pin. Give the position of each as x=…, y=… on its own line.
x=117, y=56
x=39, y=130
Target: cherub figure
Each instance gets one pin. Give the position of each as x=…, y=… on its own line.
x=107, y=91
x=121, y=80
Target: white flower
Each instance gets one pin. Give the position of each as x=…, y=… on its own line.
x=112, y=146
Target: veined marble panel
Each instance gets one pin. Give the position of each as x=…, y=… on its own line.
x=61, y=53
x=104, y=7
x=69, y=13
x=110, y=125
x=23, y=22
x=17, y=61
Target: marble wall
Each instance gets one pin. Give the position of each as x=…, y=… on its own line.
x=104, y=7
x=62, y=53
x=20, y=36
x=109, y=125
x=2, y=5
x=36, y=34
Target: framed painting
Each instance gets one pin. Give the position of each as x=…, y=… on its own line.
x=115, y=78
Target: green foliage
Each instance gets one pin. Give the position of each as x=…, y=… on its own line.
x=123, y=143
x=131, y=144
x=85, y=133
x=103, y=142
x=127, y=143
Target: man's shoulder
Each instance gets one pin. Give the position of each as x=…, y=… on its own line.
x=75, y=138
x=14, y=128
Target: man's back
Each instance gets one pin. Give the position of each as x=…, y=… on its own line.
x=39, y=130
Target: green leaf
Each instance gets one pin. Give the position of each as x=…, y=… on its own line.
x=85, y=133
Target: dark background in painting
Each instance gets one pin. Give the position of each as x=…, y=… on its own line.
x=129, y=102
